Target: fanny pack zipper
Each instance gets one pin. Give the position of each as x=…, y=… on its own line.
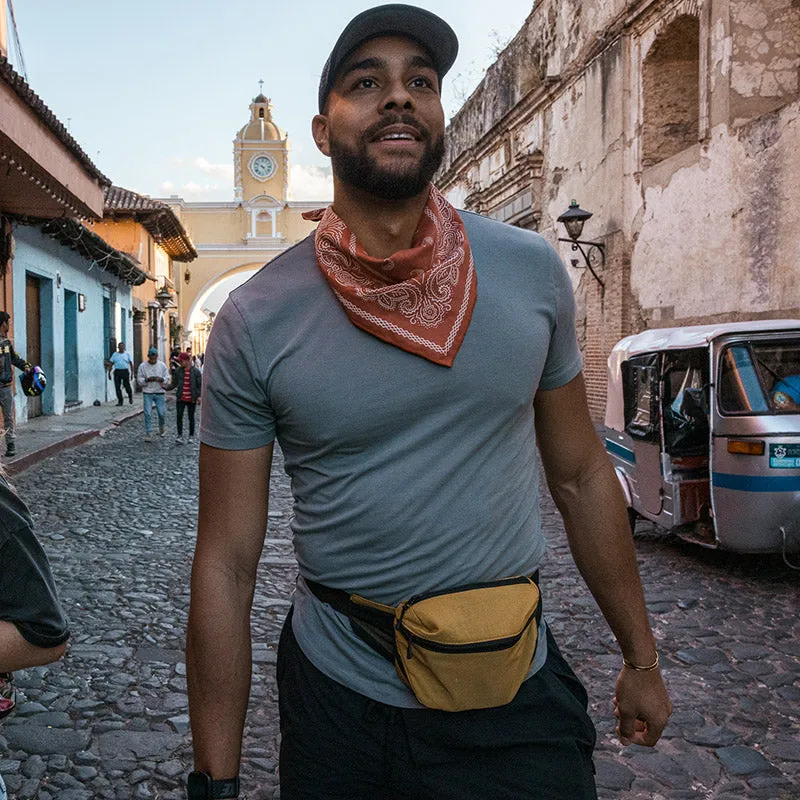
x=478, y=647
x=468, y=587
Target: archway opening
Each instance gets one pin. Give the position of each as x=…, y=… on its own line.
x=207, y=305
x=671, y=86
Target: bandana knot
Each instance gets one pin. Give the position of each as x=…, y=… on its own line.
x=420, y=299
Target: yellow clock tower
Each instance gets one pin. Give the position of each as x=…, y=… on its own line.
x=235, y=238
x=261, y=156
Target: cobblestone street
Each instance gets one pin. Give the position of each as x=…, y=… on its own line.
x=117, y=518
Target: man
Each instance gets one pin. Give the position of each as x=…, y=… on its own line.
x=402, y=356
x=196, y=362
x=122, y=366
x=8, y=360
x=187, y=381
x=153, y=377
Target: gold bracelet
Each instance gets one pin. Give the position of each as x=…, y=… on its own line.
x=637, y=668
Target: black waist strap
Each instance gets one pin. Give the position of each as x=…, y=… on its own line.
x=371, y=625
x=340, y=601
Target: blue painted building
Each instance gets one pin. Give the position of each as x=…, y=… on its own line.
x=72, y=304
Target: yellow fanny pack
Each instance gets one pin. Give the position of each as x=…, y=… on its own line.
x=462, y=648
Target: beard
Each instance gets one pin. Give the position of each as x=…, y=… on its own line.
x=355, y=167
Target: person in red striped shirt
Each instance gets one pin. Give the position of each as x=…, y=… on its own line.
x=187, y=382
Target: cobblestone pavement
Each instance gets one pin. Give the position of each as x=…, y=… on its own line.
x=117, y=517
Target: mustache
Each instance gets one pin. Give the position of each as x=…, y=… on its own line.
x=396, y=119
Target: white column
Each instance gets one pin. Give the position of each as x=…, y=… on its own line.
x=274, y=214
x=253, y=215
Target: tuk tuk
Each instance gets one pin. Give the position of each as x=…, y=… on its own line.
x=704, y=432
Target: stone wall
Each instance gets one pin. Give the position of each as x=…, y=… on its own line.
x=676, y=123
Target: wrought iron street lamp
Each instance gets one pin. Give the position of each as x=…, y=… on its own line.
x=164, y=297
x=574, y=218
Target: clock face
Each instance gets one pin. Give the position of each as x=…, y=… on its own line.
x=262, y=167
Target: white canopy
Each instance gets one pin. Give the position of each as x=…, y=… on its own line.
x=657, y=339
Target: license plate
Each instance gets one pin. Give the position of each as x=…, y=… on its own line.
x=784, y=456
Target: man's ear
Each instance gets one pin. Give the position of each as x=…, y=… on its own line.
x=319, y=130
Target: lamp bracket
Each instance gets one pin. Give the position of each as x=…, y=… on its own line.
x=590, y=254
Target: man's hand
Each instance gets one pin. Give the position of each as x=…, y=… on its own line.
x=588, y=495
x=641, y=706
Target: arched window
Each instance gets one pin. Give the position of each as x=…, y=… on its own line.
x=671, y=86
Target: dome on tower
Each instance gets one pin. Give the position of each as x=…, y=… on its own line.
x=261, y=126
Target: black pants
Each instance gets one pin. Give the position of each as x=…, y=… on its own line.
x=339, y=745
x=179, y=406
x=122, y=377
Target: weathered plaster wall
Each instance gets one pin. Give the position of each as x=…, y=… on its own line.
x=765, y=56
x=733, y=248
x=547, y=51
x=584, y=146
x=699, y=225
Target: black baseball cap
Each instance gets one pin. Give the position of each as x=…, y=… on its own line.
x=395, y=19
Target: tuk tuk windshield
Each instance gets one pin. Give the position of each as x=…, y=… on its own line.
x=761, y=377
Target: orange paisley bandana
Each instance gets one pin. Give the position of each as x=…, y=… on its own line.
x=420, y=299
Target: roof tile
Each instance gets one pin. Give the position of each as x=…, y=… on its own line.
x=157, y=218
x=36, y=104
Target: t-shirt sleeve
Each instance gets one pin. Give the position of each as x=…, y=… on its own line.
x=28, y=597
x=564, y=360
x=237, y=414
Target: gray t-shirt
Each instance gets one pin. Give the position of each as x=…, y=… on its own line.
x=407, y=476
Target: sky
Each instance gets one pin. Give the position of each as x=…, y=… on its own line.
x=155, y=91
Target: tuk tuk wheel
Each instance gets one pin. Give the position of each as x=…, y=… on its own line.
x=632, y=517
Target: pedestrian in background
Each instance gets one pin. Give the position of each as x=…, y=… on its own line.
x=153, y=377
x=187, y=382
x=33, y=627
x=8, y=360
x=121, y=364
x=173, y=359
x=409, y=359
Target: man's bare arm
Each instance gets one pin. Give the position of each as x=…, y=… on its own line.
x=16, y=652
x=589, y=497
x=232, y=522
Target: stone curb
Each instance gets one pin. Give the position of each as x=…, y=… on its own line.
x=22, y=463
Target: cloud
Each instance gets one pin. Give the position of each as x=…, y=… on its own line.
x=197, y=179
x=197, y=191
x=220, y=170
x=310, y=183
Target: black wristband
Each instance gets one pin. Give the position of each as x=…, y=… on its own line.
x=201, y=786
